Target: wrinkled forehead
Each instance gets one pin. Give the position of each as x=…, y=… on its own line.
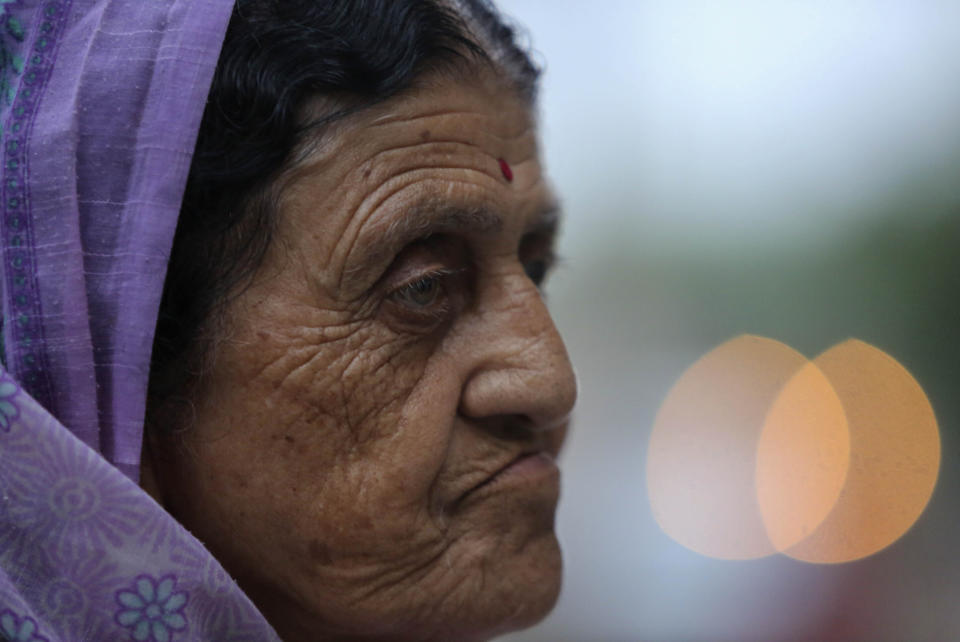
x=476, y=110
x=467, y=86
x=440, y=147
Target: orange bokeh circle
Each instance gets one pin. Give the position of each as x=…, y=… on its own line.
x=757, y=450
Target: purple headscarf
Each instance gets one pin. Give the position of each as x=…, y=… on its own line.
x=101, y=101
x=100, y=117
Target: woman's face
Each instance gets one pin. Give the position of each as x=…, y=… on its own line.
x=374, y=435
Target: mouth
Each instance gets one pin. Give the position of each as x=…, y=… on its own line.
x=529, y=470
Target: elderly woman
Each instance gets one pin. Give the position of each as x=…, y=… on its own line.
x=355, y=394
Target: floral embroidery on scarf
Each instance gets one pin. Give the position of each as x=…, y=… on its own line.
x=10, y=62
x=71, y=596
x=8, y=409
x=17, y=629
x=74, y=502
x=153, y=611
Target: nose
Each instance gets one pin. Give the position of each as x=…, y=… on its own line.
x=520, y=367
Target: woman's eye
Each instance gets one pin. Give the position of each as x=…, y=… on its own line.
x=426, y=300
x=422, y=293
x=536, y=270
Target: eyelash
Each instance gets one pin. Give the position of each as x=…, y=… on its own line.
x=439, y=306
x=540, y=265
x=430, y=297
x=538, y=269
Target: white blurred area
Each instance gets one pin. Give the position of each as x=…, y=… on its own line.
x=722, y=121
x=790, y=169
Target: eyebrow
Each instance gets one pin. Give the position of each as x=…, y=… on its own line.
x=384, y=241
x=423, y=222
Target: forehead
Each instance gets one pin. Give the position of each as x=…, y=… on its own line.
x=436, y=148
x=478, y=111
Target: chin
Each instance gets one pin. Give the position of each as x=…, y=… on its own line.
x=513, y=589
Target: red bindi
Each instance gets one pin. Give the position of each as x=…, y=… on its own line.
x=505, y=169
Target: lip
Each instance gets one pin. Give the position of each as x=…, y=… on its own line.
x=532, y=469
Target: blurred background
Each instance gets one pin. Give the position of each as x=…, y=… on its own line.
x=786, y=169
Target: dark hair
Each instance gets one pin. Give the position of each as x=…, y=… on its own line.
x=278, y=54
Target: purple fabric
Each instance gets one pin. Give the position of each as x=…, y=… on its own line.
x=101, y=101
x=86, y=555
x=98, y=138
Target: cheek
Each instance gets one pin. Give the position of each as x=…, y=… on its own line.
x=331, y=438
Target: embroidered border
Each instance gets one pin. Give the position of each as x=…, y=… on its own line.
x=24, y=321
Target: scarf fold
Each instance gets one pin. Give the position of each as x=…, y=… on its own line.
x=101, y=108
x=87, y=556
x=100, y=102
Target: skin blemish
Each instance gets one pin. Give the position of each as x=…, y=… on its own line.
x=505, y=170
x=425, y=135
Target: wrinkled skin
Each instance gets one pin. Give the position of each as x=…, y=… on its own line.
x=375, y=374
